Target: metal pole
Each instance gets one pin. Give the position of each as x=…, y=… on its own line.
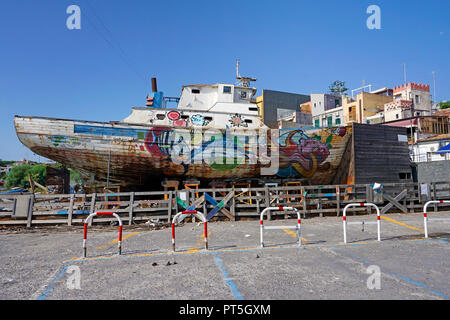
x=262, y=233
x=107, y=177
x=404, y=71
x=434, y=88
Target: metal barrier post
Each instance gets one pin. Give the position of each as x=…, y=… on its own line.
x=199, y=215
x=425, y=214
x=86, y=222
x=297, y=227
x=344, y=218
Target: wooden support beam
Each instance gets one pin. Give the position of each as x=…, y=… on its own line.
x=395, y=202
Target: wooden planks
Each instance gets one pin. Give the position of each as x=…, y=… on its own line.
x=233, y=203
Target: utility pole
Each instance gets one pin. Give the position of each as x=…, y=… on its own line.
x=404, y=71
x=434, y=88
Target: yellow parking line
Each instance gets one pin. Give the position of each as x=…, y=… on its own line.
x=168, y=254
x=402, y=224
x=115, y=241
x=199, y=244
x=294, y=234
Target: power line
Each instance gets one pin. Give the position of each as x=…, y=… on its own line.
x=114, y=43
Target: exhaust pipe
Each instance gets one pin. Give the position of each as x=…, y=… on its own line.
x=154, y=86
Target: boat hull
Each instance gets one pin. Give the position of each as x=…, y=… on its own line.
x=135, y=154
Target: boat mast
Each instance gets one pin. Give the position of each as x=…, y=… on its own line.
x=243, y=81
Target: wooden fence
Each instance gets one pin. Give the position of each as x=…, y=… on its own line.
x=226, y=203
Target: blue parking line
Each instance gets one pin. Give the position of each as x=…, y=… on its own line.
x=50, y=287
x=421, y=285
x=227, y=279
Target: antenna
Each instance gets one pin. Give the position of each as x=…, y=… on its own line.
x=404, y=71
x=237, y=69
x=243, y=81
x=434, y=88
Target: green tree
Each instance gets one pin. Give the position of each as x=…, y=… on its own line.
x=337, y=88
x=38, y=173
x=75, y=177
x=18, y=176
x=444, y=105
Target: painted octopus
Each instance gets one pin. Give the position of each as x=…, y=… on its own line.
x=306, y=156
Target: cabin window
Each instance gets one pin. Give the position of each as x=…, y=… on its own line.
x=253, y=109
x=226, y=89
x=404, y=175
x=209, y=119
x=195, y=91
x=160, y=116
x=248, y=121
x=184, y=117
x=243, y=95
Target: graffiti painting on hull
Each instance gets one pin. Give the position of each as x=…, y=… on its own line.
x=237, y=121
x=176, y=119
x=199, y=120
x=223, y=151
x=301, y=155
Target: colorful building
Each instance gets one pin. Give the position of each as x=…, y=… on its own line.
x=365, y=105
x=419, y=96
x=326, y=110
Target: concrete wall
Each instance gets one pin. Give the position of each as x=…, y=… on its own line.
x=273, y=100
x=433, y=171
x=320, y=103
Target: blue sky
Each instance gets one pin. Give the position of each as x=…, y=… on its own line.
x=101, y=71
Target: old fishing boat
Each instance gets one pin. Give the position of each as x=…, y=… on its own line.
x=213, y=132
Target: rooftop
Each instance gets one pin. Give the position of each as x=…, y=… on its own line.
x=436, y=138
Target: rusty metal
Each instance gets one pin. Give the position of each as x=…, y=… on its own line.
x=131, y=162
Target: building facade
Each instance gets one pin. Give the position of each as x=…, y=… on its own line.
x=329, y=118
x=270, y=101
x=326, y=110
x=306, y=107
x=357, y=110
x=419, y=96
x=426, y=149
x=397, y=110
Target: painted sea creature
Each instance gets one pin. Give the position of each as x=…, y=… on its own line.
x=301, y=155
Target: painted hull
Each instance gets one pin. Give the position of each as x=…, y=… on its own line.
x=139, y=154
